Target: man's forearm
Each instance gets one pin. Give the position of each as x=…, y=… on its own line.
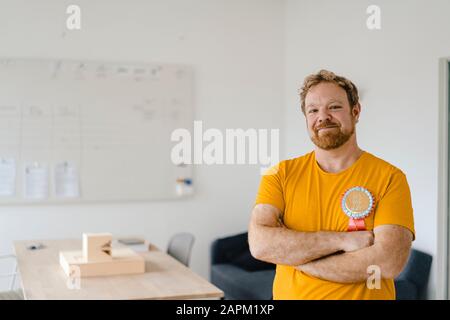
x=281, y=245
x=389, y=252
x=270, y=240
x=349, y=267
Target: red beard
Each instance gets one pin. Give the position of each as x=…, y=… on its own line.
x=333, y=138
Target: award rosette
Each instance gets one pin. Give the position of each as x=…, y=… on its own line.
x=357, y=203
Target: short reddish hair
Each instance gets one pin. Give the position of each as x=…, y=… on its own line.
x=328, y=76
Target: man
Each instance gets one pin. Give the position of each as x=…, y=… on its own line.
x=338, y=217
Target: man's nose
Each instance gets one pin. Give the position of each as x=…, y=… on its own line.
x=323, y=115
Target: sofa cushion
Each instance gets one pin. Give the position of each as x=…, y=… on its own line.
x=225, y=249
x=417, y=271
x=241, y=284
x=246, y=261
x=406, y=290
x=235, y=250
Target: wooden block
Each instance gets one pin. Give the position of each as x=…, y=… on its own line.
x=124, y=261
x=97, y=247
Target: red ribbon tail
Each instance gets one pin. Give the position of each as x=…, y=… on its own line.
x=352, y=225
x=356, y=225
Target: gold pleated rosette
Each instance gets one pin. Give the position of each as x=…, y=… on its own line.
x=357, y=203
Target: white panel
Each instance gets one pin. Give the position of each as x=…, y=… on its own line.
x=112, y=121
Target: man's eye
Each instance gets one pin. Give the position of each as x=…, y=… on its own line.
x=312, y=110
x=335, y=107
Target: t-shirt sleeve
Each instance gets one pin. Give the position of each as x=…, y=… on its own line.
x=270, y=189
x=395, y=207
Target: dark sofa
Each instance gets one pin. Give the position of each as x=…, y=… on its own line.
x=240, y=276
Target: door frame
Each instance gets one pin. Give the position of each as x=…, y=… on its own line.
x=442, y=259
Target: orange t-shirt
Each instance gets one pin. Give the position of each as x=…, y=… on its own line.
x=310, y=198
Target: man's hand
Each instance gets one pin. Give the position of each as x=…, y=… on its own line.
x=357, y=240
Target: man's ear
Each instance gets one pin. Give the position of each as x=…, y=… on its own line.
x=356, y=111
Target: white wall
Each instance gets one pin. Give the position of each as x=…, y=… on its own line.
x=236, y=50
x=396, y=69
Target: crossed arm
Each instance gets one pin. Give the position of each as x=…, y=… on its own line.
x=334, y=256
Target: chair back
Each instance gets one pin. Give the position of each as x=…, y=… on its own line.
x=180, y=247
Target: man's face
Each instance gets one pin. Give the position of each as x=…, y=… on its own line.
x=329, y=118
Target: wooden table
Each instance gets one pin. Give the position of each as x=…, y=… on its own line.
x=164, y=278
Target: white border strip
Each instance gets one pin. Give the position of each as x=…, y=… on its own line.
x=442, y=277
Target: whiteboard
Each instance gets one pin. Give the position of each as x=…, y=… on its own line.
x=109, y=124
